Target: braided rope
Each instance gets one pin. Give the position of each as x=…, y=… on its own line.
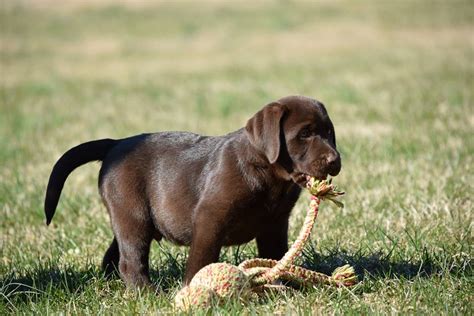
x=266, y=271
x=295, y=250
x=224, y=280
x=344, y=275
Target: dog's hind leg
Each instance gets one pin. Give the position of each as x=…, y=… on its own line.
x=134, y=235
x=110, y=263
x=123, y=194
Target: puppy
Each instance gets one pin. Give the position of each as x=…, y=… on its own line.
x=202, y=191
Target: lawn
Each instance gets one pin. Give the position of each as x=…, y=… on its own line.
x=397, y=80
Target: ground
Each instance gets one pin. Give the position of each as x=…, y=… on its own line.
x=397, y=80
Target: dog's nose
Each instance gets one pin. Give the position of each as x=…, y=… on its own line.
x=333, y=161
x=331, y=158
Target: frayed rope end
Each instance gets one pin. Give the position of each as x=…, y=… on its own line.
x=344, y=275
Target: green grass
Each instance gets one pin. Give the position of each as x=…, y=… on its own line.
x=397, y=79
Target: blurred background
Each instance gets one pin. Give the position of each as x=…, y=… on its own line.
x=114, y=68
x=396, y=77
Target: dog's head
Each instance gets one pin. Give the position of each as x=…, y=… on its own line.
x=296, y=133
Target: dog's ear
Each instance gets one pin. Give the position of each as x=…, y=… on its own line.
x=263, y=130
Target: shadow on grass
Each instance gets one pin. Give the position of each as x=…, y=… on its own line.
x=55, y=281
x=50, y=281
x=374, y=265
x=167, y=273
x=43, y=281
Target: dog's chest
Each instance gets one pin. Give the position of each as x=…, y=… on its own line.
x=255, y=216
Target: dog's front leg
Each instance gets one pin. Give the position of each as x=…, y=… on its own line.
x=206, y=242
x=272, y=242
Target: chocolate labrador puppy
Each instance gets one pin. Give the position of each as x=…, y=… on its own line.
x=202, y=191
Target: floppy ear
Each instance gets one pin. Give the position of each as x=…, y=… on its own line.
x=263, y=130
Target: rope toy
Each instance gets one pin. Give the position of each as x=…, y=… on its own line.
x=217, y=282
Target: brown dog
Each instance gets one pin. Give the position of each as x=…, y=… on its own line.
x=202, y=191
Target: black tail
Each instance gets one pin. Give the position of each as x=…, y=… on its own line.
x=73, y=158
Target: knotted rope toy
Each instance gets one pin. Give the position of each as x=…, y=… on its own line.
x=219, y=281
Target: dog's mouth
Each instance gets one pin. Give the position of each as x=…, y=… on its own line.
x=302, y=179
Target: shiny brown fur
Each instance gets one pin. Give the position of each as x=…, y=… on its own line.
x=206, y=192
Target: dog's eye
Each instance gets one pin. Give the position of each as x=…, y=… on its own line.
x=305, y=133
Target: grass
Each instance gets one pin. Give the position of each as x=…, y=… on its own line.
x=397, y=80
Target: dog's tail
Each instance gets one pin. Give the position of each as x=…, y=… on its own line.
x=73, y=158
